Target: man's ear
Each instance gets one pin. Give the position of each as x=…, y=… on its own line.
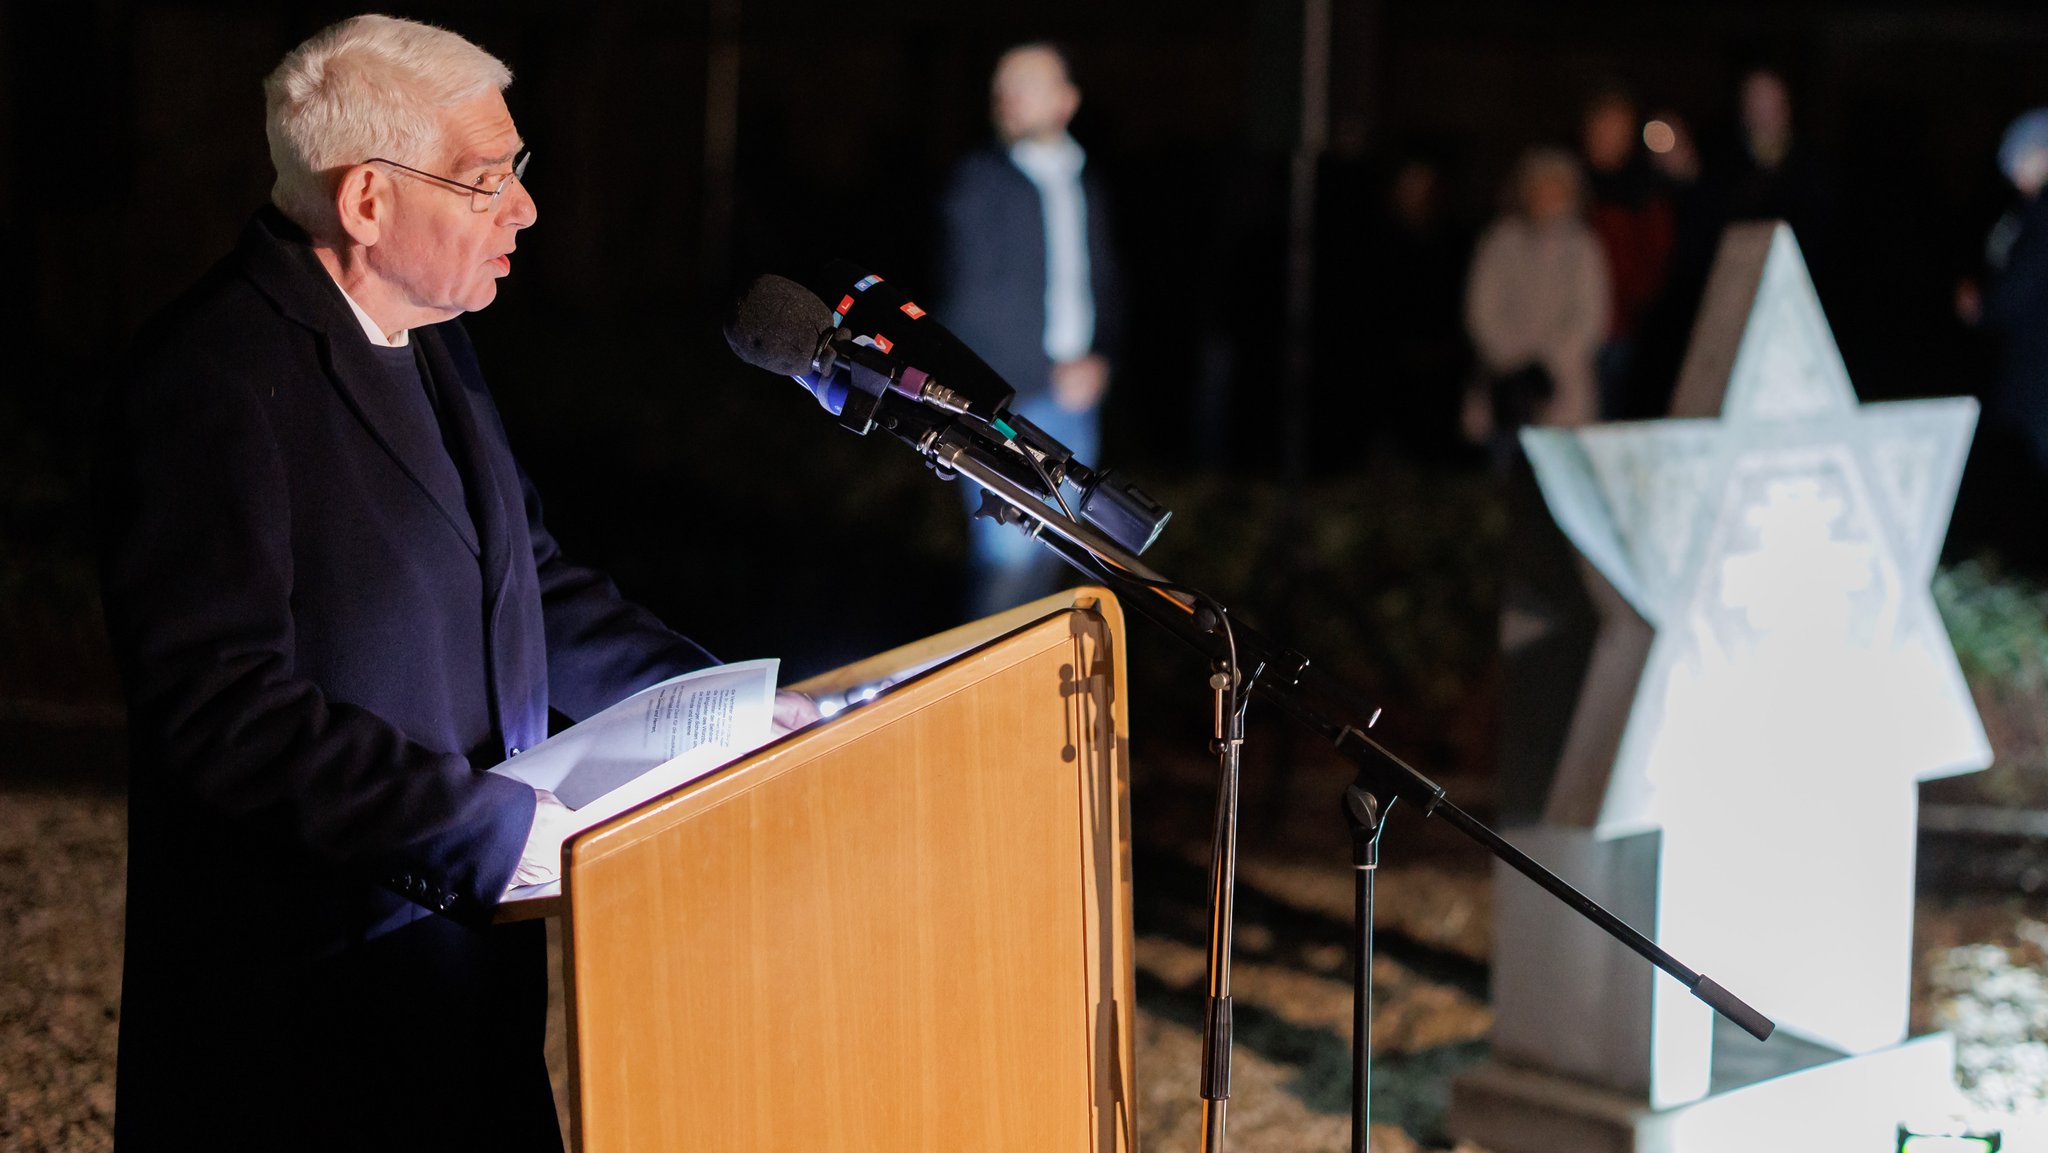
x=362, y=204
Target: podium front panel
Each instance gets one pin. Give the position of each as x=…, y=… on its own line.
x=905, y=929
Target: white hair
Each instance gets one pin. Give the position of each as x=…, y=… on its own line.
x=368, y=86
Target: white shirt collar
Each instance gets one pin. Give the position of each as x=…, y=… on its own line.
x=370, y=328
x=1048, y=160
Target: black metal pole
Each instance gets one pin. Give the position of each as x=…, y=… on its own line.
x=1216, y=1026
x=1367, y=819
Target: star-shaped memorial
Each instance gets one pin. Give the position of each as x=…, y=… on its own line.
x=1770, y=678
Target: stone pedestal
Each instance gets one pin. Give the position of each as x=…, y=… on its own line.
x=1848, y=1105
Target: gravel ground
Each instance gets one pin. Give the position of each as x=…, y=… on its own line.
x=1982, y=976
x=60, y=978
x=64, y=859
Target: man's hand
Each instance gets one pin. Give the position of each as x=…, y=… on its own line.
x=541, y=860
x=793, y=711
x=1078, y=385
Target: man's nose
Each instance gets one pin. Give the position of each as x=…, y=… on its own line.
x=517, y=209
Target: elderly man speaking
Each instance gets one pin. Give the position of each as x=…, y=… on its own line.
x=335, y=604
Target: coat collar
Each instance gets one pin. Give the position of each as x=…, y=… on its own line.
x=277, y=256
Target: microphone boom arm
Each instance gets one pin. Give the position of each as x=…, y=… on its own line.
x=1290, y=681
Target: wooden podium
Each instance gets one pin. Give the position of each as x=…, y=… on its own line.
x=905, y=928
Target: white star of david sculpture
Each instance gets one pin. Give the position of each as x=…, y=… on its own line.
x=1769, y=682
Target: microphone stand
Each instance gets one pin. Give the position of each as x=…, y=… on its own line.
x=1316, y=700
x=1216, y=1020
x=1368, y=818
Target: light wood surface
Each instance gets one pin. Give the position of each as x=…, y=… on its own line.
x=919, y=655
x=907, y=929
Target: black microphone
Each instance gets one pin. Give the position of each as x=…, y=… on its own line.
x=883, y=313
x=781, y=326
x=848, y=358
x=778, y=325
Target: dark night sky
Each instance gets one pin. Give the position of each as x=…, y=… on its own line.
x=131, y=153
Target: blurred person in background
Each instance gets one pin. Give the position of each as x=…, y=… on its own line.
x=1417, y=256
x=1391, y=355
x=1666, y=329
x=2009, y=467
x=1029, y=282
x=1536, y=307
x=1771, y=175
x=1630, y=210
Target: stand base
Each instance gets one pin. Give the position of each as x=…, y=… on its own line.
x=1853, y=1104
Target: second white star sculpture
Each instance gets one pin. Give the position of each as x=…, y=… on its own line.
x=1768, y=683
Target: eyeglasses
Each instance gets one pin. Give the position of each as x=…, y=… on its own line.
x=483, y=196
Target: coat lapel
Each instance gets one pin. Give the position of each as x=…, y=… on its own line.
x=280, y=261
x=468, y=444
x=516, y=646
x=366, y=387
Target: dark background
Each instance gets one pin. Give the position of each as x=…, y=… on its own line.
x=131, y=153
x=683, y=148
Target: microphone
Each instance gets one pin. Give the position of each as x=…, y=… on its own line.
x=778, y=325
x=864, y=302
x=781, y=326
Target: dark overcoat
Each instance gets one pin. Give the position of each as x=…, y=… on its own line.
x=322, y=652
x=992, y=282
x=2017, y=308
